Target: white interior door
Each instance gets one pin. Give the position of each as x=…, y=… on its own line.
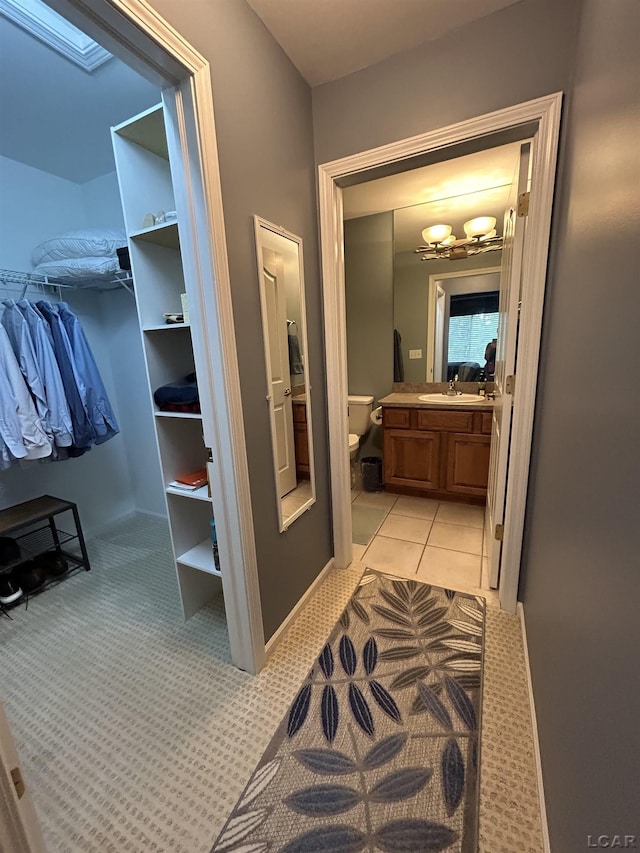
x=19, y=829
x=510, y=279
x=280, y=381
x=439, y=335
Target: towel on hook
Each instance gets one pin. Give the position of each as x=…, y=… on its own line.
x=398, y=362
x=295, y=356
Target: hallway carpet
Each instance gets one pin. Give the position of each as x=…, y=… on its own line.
x=137, y=734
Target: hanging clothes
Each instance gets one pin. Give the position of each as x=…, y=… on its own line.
x=42, y=339
x=18, y=333
x=23, y=436
x=53, y=403
x=96, y=400
x=75, y=392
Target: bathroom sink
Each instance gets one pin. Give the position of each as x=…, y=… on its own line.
x=457, y=400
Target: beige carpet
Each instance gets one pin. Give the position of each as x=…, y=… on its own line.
x=136, y=733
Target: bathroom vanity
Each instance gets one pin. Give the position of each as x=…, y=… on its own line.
x=438, y=450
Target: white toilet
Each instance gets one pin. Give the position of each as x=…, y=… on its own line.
x=360, y=408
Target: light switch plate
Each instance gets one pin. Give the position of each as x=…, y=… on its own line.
x=415, y=353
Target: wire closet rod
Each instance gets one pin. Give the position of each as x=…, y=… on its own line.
x=27, y=279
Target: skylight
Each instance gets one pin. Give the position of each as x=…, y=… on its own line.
x=56, y=32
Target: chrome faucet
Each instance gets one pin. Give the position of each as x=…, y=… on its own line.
x=452, y=391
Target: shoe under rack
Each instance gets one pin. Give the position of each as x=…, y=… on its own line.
x=45, y=553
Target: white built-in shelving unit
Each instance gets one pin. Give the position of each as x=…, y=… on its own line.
x=144, y=175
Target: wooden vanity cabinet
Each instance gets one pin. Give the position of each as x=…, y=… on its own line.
x=301, y=441
x=437, y=453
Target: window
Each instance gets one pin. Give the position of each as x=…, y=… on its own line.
x=473, y=323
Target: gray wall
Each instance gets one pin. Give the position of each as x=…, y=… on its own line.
x=368, y=271
x=519, y=53
x=265, y=143
x=581, y=580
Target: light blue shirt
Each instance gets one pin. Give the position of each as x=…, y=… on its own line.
x=20, y=427
x=59, y=417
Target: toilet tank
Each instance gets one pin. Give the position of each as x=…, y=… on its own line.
x=360, y=408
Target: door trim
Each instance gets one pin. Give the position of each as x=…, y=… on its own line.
x=133, y=31
x=545, y=114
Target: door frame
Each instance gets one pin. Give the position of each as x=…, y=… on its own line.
x=541, y=113
x=432, y=298
x=135, y=33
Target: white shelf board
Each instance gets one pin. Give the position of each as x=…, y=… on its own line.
x=164, y=234
x=200, y=557
x=183, y=415
x=147, y=130
x=166, y=326
x=201, y=494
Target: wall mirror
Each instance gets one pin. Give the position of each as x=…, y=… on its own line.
x=445, y=311
x=284, y=328
x=413, y=320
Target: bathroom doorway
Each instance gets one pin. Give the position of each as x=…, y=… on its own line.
x=535, y=119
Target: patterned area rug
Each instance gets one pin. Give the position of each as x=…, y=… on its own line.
x=380, y=748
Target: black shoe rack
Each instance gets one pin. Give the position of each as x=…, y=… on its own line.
x=44, y=526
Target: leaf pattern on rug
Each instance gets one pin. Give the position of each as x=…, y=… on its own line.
x=452, y=765
x=329, y=712
x=327, y=762
x=403, y=654
x=384, y=751
x=328, y=839
x=414, y=836
x=323, y=800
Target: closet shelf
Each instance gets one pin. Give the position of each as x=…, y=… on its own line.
x=24, y=280
x=165, y=234
x=165, y=327
x=147, y=131
x=201, y=494
x=200, y=557
x=183, y=415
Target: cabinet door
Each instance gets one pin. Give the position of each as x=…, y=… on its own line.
x=411, y=458
x=301, y=443
x=467, y=463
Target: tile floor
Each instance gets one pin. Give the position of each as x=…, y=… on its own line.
x=297, y=498
x=435, y=541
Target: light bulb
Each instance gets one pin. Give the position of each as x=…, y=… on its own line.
x=480, y=226
x=436, y=233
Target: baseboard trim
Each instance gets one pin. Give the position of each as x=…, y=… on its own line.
x=276, y=639
x=534, y=726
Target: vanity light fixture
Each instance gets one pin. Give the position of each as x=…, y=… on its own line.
x=481, y=236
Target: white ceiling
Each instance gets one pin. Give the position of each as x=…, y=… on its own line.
x=450, y=192
x=326, y=39
x=56, y=116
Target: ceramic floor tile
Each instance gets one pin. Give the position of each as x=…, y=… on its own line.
x=407, y=528
x=358, y=551
x=354, y=494
x=451, y=569
x=456, y=538
x=469, y=516
x=365, y=521
x=415, y=507
x=379, y=499
x=393, y=555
